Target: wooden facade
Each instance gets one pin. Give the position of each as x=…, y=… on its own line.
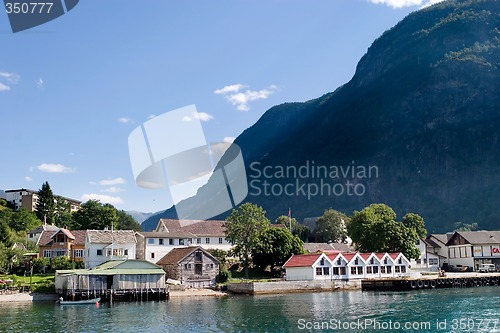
x=193, y=266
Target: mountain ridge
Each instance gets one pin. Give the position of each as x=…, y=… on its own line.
x=421, y=106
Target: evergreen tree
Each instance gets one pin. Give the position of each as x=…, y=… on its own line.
x=46, y=206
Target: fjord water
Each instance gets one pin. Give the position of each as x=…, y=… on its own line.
x=442, y=309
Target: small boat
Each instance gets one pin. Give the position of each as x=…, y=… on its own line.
x=61, y=301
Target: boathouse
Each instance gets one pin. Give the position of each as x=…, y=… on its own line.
x=337, y=265
x=125, y=279
x=193, y=266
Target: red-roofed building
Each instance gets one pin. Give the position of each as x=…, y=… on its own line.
x=62, y=242
x=345, y=266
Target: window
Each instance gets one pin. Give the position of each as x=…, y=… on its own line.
x=433, y=261
x=360, y=270
x=382, y=269
x=319, y=271
x=181, y=241
x=385, y=261
x=207, y=240
x=151, y=240
x=198, y=256
x=326, y=270
x=125, y=252
x=190, y=241
x=353, y=270
x=371, y=261
x=108, y=252
x=47, y=253
x=322, y=262
x=342, y=270
x=198, y=240
x=403, y=269
x=187, y=266
x=375, y=269
x=389, y=269
x=339, y=262
x=397, y=269
x=335, y=271
x=356, y=261
x=170, y=241
x=369, y=270
x=78, y=253
x=160, y=241
x=400, y=261
x=99, y=252
x=220, y=240
x=152, y=255
x=60, y=252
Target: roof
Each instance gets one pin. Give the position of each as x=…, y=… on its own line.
x=43, y=227
x=47, y=236
x=431, y=243
x=479, y=237
x=163, y=234
x=176, y=255
x=302, y=260
x=196, y=227
x=315, y=247
x=118, y=267
x=21, y=190
x=108, y=236
x=443, y=238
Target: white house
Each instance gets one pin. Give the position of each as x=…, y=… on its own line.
x=473, y=248
x=429, y=254
x=34, y=234
x=345, y=266
x=169, y=234
x=105, y=245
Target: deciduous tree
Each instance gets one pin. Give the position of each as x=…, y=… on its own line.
x=243, y=229
x=95, y=215
x=331, y=227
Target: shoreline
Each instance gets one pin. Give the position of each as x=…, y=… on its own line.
x=27, y=297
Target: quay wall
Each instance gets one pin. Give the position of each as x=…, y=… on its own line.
x=279, y=287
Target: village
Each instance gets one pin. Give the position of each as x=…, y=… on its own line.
x=180, y=255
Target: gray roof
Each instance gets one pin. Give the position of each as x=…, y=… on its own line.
x=443, y=238
x=315, y=247
x=213, y=228
x=481, y=237
x=154, y=234
x=108, y=236
x=43, y=227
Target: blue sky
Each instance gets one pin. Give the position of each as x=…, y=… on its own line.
x=73, y=89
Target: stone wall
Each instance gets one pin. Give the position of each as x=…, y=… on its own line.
x=279, y=287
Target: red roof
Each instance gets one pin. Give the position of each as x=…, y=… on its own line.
x=302, y=260
x=394, y=255
x=365, y=256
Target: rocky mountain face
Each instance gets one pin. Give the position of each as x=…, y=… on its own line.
x=417, y=128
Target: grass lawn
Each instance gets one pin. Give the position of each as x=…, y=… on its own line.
x=40, y=282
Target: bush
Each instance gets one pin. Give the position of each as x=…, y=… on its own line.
x=223, y=275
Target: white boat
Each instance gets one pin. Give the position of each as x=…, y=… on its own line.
x=61, y=301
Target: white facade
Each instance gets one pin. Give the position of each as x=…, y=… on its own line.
x=158, y=244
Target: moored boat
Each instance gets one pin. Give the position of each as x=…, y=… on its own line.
x=61, y=301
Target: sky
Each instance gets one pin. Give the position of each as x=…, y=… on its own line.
x=73, y=89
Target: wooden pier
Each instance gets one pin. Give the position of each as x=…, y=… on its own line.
x=430, y=282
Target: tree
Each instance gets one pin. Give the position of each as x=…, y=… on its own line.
x=374, y=229
x=95, y=215
x=46, y=207
x=23, y=220
x=331, y=227
x=276, y=245
x=460, y=226
x=298, y=229
x=243, y=229
x=416, y=222
x=62, y=213
x=5, y=234
x=127, y=222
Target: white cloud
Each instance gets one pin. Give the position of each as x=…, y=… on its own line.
x=405, y=3
x=125, y=120
x=102, y=198
x=241, y=99
x=39, y=83
x=28, y=178
x=198, y=115
x=230, y=88
x=229, y=139
x=54, y=168
x=113, y=189
x=6, y=79
x=110, y=182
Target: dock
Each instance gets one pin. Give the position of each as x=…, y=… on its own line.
x=470, y=280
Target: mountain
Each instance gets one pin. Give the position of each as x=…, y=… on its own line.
x=417, y=128
x=139, y=216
